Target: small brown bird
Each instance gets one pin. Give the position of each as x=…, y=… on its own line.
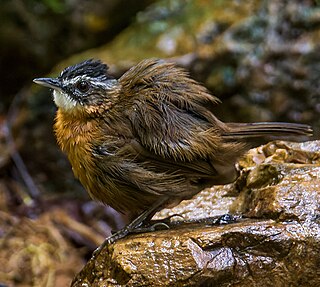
x=149, y=139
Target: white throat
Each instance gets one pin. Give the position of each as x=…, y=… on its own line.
x=62, y=100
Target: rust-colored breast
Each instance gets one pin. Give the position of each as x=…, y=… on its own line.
x=76, y=137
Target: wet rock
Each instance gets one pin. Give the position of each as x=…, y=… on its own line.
x=276, y=243
x=261, y=253
x=285, y=185
x=282, y=191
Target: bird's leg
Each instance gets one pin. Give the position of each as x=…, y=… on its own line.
x=137, y=225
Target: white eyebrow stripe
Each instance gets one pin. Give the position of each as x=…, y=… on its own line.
x=106, y=84
x=74, y=80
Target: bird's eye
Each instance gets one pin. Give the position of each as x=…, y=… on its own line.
x=83, y=86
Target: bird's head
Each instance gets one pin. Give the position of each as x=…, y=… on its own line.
x=86, y=88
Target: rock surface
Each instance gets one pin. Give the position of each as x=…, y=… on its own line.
x=276, y=244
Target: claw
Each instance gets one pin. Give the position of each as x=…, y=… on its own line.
x=153, y=227
x=173, y=215
x=136, y=226
x=226, y=219
x=111, y=239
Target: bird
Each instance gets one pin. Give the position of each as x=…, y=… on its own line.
x=149, y=139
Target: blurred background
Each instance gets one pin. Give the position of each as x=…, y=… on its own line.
x=261, y=58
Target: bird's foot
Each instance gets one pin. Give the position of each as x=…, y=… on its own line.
x=226, y=219
x=112, y=238
x=140, y=227
x=217, y=220
x=161, y=224
x=158, y=224
x=163, y=221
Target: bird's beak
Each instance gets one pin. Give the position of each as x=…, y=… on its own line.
x=48, y=82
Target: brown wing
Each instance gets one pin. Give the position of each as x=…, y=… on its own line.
x=171, y=113
x=139, y=177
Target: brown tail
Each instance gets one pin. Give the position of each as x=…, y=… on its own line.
x=269, y=131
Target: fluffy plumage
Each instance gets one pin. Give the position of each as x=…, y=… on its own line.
x=151, y=136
